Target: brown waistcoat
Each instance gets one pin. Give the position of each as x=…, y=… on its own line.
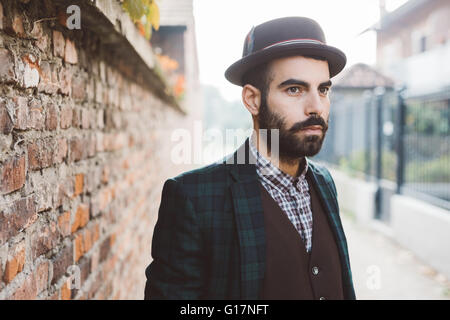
x=291, y=272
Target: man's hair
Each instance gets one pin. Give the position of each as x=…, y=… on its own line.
x=261, y=76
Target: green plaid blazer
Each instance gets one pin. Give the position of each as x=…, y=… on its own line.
x=209, y=240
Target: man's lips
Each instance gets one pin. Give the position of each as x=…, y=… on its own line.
x=313, y=128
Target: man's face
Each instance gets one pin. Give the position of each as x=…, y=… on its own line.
x=298, y=105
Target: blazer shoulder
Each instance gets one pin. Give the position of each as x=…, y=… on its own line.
x=204, y=180
x=323, y=173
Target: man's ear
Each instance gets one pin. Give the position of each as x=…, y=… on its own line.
x=251, y=97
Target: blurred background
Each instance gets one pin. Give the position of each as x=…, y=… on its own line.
x=388, y=141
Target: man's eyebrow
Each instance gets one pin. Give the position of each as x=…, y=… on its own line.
x=303, y=83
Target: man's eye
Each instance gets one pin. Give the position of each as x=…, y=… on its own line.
x=294, y=90
x=324, y=90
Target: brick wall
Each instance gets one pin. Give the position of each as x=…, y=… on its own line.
x=83, y=155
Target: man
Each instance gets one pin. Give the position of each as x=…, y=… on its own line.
x=267, y=226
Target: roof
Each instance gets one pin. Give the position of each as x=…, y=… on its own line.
x=402, y=12
x=362, y=76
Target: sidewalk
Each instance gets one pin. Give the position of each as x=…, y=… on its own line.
x=384, y=270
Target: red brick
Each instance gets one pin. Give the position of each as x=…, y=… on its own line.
x=79, y=182
x=17, y=25
x=78, y=88
x=76, y=152
x=15, y=262
x=65, y=81
x=44, y=239
x=28, y=289
x=41, y=276
x=85, y=118
x=64, y=223
x=65, y=291
x=78, y=244
x=61, y=151
x=58, y=44
x=51, y=117
x=41, y=153
x=18, y=215
x=66, y=116
x=21, y=106
x=1, y=16
x=81, y=217
x=6, y=66
x=6, y=120
x=12, y=174
x=48, y=78
x=70, y=53
x=61, y=262
x=36, y=117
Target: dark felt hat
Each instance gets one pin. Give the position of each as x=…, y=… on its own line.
x=283, y=37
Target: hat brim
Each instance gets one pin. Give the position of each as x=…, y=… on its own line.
x=335, y=57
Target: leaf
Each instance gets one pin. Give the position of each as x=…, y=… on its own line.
x=135, y=9
x=153, y=17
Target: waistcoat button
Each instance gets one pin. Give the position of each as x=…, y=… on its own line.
x=322, y=298
x=315, y=271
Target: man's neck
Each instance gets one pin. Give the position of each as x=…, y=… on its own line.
x=290, y=167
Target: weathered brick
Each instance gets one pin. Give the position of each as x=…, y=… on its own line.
x=7, y=73
x=65, y=81
x=61, y=151
x=1, y=16
x=44, y=239
x=17, y=25
x=58, y=44
x=66, y=116
x=61, y=262
x=76, y=152
x=79, y=183
x=78, y=88
x=6, y=118
x=65, y=291
x=51, y=117
x=81, y=217
x=78, y=244
x=12, y=173
x=41, y=276
x=17, y=216
x=48, y=78
x=31, y=71
x=40, y=153
x=70, y=55
x=64, y=224
x=36, y=117
x=28, y=289
x=21, y=107
x=85, y=118
x=15, y=262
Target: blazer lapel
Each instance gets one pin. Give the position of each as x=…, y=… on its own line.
x=328, y=198
x=249, y=217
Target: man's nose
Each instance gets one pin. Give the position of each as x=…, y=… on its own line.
x=314, y=104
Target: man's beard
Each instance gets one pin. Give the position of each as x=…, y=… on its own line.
x=292, y=146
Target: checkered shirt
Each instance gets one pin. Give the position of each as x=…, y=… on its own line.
x=291, y=194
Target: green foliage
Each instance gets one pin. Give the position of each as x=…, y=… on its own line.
x=145, y=13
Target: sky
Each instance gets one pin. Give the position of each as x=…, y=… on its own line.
x=221, y=26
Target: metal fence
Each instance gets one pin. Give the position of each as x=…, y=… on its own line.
x=398, y=141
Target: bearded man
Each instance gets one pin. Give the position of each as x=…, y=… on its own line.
x=264, y=222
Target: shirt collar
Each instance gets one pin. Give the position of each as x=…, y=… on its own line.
x=272, y=174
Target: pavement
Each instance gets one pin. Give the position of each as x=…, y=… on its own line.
x=384, y=270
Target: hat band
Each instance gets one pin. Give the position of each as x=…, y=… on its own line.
x=293, y=41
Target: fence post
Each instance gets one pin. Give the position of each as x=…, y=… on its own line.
x=368, y=133
x=400, y=143
x=379, y=93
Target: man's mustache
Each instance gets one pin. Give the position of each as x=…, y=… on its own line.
x=311, y=121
